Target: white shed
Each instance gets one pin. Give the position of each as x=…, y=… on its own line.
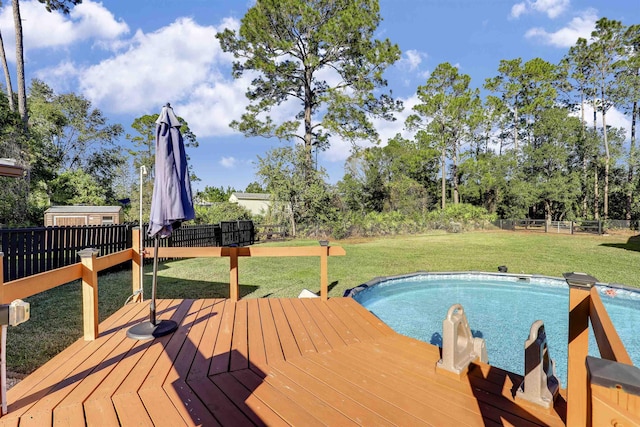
x=256, y=203
x=82, y=215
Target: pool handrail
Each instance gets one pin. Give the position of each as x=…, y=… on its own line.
x=540, y=384
x=459, y=346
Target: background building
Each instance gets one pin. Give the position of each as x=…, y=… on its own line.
x=82, y=215
x=256, y=203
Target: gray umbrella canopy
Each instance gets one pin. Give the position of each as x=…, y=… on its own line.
x=171, y=204
x=172, y=200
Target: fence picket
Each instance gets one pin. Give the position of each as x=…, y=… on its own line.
x=29, y=251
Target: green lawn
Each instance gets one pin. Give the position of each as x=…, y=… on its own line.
x=56, y=319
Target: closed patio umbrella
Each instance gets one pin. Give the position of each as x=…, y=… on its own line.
x=171, y=204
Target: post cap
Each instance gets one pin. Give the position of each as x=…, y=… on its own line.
x=580, y=280
x=88, y=252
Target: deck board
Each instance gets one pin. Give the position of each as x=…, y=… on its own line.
x=302, y=337
x=262, y=362
x=32, y=388
x=272, y=347
x=318, y=339
x=237, y=386
x=71, y=407
x=221, y=350
x=257, y=354
x=338, y=379
x=240, y=341
x=329, y=330
x=336, y=398
x=204, y=355
x=286, y=337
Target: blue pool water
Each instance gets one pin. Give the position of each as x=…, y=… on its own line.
x=500, y=309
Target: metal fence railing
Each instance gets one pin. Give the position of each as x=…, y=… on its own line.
x=569, y=227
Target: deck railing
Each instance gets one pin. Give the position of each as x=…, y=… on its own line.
x=600, y=391
x=90, y=265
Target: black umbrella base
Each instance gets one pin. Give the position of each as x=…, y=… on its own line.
x=147, y=330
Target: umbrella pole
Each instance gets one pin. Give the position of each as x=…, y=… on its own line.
x=152, y=305
x=152, y=328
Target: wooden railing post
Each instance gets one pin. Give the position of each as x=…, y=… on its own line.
x=3, y=347
x=137, y=265
x=324, y=270
x=89, y=293
x=580, y=285
x=234, y=286
x=2, y=301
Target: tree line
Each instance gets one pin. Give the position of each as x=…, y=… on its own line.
x=524, y=149
x=519, y=144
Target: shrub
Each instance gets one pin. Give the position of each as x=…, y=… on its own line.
x=222, y=211
x=467, y=215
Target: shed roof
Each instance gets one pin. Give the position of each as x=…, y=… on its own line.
x=252, y=196
x=84, y=209
x=9, y=167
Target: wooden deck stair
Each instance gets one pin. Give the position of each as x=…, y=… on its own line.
x=263, y=362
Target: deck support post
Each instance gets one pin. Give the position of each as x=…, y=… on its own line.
x=89, y=293
x=2, y=301
x=234, y=286
x=324, y=275
x=580, y=285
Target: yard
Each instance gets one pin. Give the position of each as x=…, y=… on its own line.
x=56, y=319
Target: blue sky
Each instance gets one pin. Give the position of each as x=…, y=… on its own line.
x=130, y=57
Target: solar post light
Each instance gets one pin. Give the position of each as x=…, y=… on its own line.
x=15, y=313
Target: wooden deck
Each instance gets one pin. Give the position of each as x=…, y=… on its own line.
x=299, y=362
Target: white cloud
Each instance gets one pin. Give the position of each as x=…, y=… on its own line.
x=94, y=21
x=552, y=8
x=579, y=26
x=615, y=118
x=412, y=59
x=518, y=9
x=180, y=63
x=46, y=30
x=228, y=162
x=213, y=104
x=61, y=78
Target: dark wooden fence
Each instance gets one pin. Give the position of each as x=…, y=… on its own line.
x=29, y=251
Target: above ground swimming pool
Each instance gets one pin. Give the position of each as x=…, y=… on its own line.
x=500, y=308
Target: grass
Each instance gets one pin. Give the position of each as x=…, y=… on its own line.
x=56, y=315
